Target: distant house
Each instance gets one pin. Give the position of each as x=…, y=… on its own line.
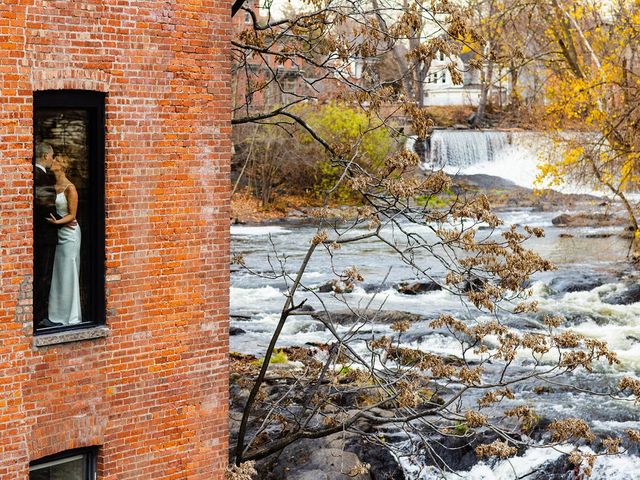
x=441, y=91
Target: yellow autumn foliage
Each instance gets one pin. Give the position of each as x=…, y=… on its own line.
x=593, y=87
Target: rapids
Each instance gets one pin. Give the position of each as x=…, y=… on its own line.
x=589, y=289
x=590, y=271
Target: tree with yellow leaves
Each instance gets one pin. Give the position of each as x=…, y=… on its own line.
x=595, y=85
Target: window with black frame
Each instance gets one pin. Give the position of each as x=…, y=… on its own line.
x=71, y=465
x=68, y=210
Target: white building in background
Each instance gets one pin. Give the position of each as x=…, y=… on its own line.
x=441, y=91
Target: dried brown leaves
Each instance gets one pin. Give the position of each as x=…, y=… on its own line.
x=496, y=449
x=570, y=428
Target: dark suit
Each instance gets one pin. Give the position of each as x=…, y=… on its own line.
x=45, y=238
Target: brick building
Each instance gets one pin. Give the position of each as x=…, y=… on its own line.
x=136, y=95
x=261, y=83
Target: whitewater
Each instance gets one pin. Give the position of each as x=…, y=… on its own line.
x=592, y=272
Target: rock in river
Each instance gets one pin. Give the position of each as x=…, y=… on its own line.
x=336, y=286
x=631, y=294
x=415, y=288
x=579, y=281
x=349, y=317
x=587, y=220
x=316, y=460
x=236, y=331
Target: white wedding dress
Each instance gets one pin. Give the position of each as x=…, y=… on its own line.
x=64, y=296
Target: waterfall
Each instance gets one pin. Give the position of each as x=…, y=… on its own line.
x=463, y=148
x=513, y=156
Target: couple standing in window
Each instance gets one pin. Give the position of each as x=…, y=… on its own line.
x=56, y=241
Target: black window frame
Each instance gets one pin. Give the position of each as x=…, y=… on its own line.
x=94, y=102
x=91, y=465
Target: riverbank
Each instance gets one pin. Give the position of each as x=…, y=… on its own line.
x=247, y=209
x=503, y=195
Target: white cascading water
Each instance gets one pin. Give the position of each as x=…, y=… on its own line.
x=460, y=148
x=514, y=156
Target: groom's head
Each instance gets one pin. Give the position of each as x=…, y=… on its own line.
x=44, y=154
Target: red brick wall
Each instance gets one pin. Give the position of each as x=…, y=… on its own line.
x=153, y=394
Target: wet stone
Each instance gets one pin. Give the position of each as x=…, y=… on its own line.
x=236, y=331
x=631, y=294
x=350, y=317
x=575, y=281
x=416, y=288
x=587, y=220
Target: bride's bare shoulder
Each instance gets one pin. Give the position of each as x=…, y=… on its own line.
x=69, y=188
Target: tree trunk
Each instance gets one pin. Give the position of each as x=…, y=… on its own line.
x=420, y=90
x=634, y=253
x=514, y=101
x=485, y=85
x=398, y=55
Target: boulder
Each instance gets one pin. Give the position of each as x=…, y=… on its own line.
x=456, y=452
x=383, y=465
x=418, y=287
x=336, y=286
x=349, y=317
x=561, y=220
x=599, y=235
x=558, y=469
x=236, y=331
x=376, y=287
x=314, y=461
x=587, y=220
x=473, y=285
x=631, y=294
x=578, y=281
x=308, y=475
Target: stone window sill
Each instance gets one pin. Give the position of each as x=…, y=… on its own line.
x=70, y=336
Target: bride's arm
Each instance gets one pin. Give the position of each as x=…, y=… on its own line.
x=72, y=200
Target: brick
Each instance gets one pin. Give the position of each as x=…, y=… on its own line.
x=164, y=66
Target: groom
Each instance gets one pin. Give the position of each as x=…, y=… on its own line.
x=45, y=234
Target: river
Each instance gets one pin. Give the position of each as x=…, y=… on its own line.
x=592, y=277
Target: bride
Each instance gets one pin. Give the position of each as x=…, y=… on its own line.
x=64, y=296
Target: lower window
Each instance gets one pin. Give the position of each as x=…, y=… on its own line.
x=70, y=465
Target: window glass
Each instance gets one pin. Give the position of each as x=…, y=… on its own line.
x=75, y=466
x=68, y=212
